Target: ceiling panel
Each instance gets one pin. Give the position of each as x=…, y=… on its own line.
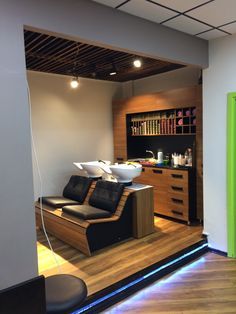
x=216, y=13
x=51, y=54
x=212, y=34
x=192, y=12
x=110, y=3
x=147, y=10
x=231, y=28
x=181, y=5
x=187, y=25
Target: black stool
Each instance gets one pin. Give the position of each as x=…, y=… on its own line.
x=64, y=293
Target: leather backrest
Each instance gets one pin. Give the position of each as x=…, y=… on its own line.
x=77, y=188
x=106, y=195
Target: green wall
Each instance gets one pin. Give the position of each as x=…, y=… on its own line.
x=231, y=174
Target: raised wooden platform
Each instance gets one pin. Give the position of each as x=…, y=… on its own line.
x=116, y=262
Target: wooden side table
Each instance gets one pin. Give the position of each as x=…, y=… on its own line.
x=143, y=210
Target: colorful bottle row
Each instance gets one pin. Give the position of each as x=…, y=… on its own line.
x=166, y=122
x=154, y=127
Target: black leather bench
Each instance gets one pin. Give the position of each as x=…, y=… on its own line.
x=101, y=204
x=80, y=226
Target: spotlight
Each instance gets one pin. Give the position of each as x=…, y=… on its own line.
x=137, y=63
x=74, y=82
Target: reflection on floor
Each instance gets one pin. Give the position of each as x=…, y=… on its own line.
x=206, y=285
x=118, y=261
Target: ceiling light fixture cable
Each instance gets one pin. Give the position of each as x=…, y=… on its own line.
x=114, y=69
x=75, y=81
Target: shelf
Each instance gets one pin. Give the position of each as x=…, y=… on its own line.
x=162, y=122
x=176, y=134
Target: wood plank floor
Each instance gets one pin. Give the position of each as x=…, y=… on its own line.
x=118, y=261
x=207, y=285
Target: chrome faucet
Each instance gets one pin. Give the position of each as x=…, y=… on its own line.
x=151, y=152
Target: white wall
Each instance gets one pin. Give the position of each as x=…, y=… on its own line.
x=218, y=80
x=69, y=125
x=187, y=76
x=183, y=77
x=18, y=260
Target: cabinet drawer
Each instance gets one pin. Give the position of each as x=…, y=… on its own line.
x=153, y=176
x=172, y=210
x=158, y=178
x=179, y=188
x=177, y=206
x=177, y=178
x=144, y=177
x=178, y=200
x=174, y=213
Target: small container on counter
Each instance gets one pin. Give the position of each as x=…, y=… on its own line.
x=188, y=157
x=159, y=157
x=175, y=160
x=182, y=160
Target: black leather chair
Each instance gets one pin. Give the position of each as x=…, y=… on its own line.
x=64, y=293
x=74, y=193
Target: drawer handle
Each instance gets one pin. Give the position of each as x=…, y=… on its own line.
x=177, y=212
x=143, y=169
x=157, y=171
x=177, y=176
x=177, y=188
x=176, y=200
x=119, y=158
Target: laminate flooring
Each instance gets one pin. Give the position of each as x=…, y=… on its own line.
x=207, y=285
x=116, y=262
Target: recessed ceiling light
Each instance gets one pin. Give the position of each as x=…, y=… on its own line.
x=137, y=63
x=113, y=73
x=74, y=83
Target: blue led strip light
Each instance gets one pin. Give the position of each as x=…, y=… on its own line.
x=132, y=283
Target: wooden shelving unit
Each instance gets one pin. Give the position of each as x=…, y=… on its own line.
x=170, y=100
x=181, y=121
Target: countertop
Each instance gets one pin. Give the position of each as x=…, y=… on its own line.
x=168, y=167
x=159, y=166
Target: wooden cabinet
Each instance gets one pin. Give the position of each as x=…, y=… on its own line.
x=173, y=191
x=169, y=101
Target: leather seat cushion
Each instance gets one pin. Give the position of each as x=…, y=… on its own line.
x=57, y=201
x=77, y=188
x=86, y=212
x=64, y=293
x=106, y=195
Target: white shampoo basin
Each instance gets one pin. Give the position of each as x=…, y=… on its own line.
x=93, y=168
x=124, y=173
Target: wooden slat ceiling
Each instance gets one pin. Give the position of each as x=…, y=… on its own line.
x=50, y=54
